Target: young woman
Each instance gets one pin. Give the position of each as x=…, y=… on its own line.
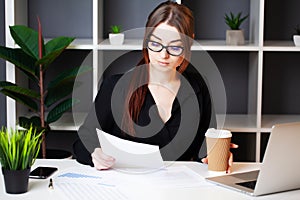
x=163, y=101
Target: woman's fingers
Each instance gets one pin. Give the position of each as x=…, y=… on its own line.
x=230, y=162
x=102, y=164
x=230, y=159
x=234, y=146
x=204, y=160
x=101, y=160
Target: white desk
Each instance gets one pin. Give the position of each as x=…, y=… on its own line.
x=38, y=189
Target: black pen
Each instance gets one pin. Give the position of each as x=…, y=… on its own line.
x=50, y=184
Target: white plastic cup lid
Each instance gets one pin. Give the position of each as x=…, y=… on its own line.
x=218, y=133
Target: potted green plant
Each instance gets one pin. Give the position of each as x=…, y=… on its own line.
x=296, y=36
x=18, y=152
x=235, y=36
x=33, y=58
x=115, y=36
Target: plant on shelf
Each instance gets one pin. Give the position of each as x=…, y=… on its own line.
x=18, y=152
x=33, y=58
x=235, y=36
x=115, y=29
x=115, y=36
x=296, y=36
x=235, y=21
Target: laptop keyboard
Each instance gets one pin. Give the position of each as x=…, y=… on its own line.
x=248, y=184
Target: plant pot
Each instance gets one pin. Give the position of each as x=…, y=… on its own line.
x=116, y=38
x=235, y=37
x=16, y=181
x=296, y=39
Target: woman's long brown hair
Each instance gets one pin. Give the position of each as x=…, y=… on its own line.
x=176, y=15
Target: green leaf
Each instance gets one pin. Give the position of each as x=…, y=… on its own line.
x=115, y=29
x=20, y=59
x=34, y=121
x=53, y=49
x=57, y=44
x=19, y=90
x=62, y=90
x=18, y=149
x=21, y=99
x=233, y=21
x=59, y=109
x=68, y=75
x=6, y=83
x=27, y=39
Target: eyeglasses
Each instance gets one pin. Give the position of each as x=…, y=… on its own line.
x=158, y=47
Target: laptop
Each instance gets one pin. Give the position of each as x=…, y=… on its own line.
x=280, y=167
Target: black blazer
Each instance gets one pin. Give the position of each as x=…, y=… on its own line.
x=180, y=138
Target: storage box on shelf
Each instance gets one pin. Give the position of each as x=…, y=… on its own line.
x=246, y=69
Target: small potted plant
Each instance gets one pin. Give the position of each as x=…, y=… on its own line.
x=296, y=36
x=235, y=36
x=115, y=36
x=18, y=152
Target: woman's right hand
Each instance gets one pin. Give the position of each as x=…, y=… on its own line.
x=101, y=160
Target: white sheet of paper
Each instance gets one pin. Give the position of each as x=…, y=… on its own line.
x=130, y=154
x=85, y=182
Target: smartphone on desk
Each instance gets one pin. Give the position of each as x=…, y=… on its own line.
x=42, y=172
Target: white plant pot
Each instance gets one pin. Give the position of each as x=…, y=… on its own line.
x=235, y=37
x=296, y=40
x=116, y=38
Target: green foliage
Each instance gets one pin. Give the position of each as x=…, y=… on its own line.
x=27, y=59
x=19, y=149
x=115, y=29
x=234, y=22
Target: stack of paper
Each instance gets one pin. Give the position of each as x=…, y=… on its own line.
x=130, y=154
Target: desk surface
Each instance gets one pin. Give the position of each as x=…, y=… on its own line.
x=38, y=189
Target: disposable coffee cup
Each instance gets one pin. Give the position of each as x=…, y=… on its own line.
x=218, y=145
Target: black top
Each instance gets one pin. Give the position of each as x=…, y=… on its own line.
x=180, y=138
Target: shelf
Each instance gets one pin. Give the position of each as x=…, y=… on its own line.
x=220, y=45
x=66, y=122
x=233, y=122
x=238, y=123
x=257, y=75
x=82, y=44
x=76, y=44
x=280, y=45
x=199, y=45
x=269, y=120
x=129, y=44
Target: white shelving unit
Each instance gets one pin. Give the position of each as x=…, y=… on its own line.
x=251, y=121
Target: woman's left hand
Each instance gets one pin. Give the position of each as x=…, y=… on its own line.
x=230, y=160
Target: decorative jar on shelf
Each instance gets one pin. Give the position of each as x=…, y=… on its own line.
x=116, y=38
x=296, y=36
x=296, y=39
x=235, y=37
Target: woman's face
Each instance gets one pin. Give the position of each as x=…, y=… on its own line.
x=165, y=48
